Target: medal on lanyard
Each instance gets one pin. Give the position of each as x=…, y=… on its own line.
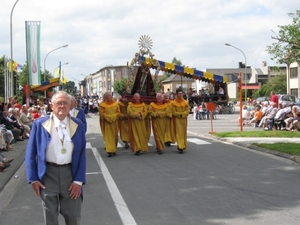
x=63, y=149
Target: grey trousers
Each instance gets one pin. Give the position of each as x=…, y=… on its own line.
x=56, y=197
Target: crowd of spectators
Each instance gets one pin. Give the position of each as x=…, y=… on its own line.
x=271, y=115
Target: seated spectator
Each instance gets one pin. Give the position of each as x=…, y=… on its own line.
x=7, y=137
x=265, y=107
x=17, y=104
x=270, y=114
x=9, y=126
x=35, y=113
x=256, y=118
x=292, y=121
x=279, y=123
x=15, y=120
x=16, y=114
x=24, y=119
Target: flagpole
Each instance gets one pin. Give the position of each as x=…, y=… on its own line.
x=11, y=53
x=59, y=87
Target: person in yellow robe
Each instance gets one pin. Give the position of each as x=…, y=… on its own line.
x=123, y=122
x=159, y=112
x=169, y=134
x=100, y=115
x=138, y=135
x=180, y=112
x=110, y=112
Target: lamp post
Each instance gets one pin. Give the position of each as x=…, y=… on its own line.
x=245, y=69
x=11, y=77
x=64, y=46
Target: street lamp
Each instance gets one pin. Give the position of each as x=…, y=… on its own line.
x=11, y=53
x=64, y=46
x=245, y=69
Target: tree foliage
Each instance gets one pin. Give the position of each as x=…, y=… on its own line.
x=286, y=49
x=119, y=86
x=70, y=88
x=277, y=84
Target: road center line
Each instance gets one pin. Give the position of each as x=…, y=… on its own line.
x=119, y=202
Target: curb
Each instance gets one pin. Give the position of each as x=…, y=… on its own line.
x=293, y=158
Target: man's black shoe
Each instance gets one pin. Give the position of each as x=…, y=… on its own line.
x=137, y=153
x=126, y=145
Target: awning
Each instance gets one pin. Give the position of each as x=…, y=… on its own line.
x=46, y=85
x=184, y=70
x=250, y=87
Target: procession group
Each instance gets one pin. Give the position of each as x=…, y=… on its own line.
x=132, y=121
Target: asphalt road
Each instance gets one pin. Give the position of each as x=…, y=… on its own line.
x=213, y=183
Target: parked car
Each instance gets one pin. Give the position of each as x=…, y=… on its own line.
x=259, y=100
x=288, y=99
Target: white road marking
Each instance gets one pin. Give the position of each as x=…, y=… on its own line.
x=119, y=202
x=88, y=145
x=92, y=173
x=198, y=141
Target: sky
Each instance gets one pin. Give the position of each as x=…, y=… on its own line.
x=100, y=33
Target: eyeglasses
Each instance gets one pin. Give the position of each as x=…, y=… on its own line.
x=61, y=103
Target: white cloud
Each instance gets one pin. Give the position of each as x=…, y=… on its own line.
x=101, y=33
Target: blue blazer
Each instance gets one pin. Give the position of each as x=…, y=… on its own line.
x=40, y=136
x=79, y=113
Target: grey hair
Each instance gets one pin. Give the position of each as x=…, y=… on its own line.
x=54, y=97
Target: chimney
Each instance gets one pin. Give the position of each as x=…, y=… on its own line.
x=241, y=65
x=264, y=63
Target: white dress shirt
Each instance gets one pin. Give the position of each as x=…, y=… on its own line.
x=60, y=139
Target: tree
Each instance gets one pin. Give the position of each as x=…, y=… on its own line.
x=2, y=76
x=287, y=48
x=70, y=88
x=277, y=84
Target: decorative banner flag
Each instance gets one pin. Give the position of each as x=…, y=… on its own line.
x=12, y=66
x=33, y=29
x=64, y=79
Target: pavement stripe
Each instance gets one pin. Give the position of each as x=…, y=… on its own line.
x=198, y=141
x=119, y=202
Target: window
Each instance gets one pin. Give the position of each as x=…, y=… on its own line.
x=294, y=72
x=232, y=77
x=294, y=91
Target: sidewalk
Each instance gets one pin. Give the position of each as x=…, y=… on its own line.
x=17, y=153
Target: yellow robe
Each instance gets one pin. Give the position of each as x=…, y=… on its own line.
x=169, y=134
x=180, y=112
x=101, y=117
x=110, y=112
x=123, y=122
x=148, y=122
x=159, y=123
x=137, y=128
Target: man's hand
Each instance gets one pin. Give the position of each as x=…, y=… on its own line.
x=75, y=190
x=139, y=116
x=37, y=185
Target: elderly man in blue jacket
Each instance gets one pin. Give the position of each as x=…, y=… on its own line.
x=77, y=112
x=56, y=161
